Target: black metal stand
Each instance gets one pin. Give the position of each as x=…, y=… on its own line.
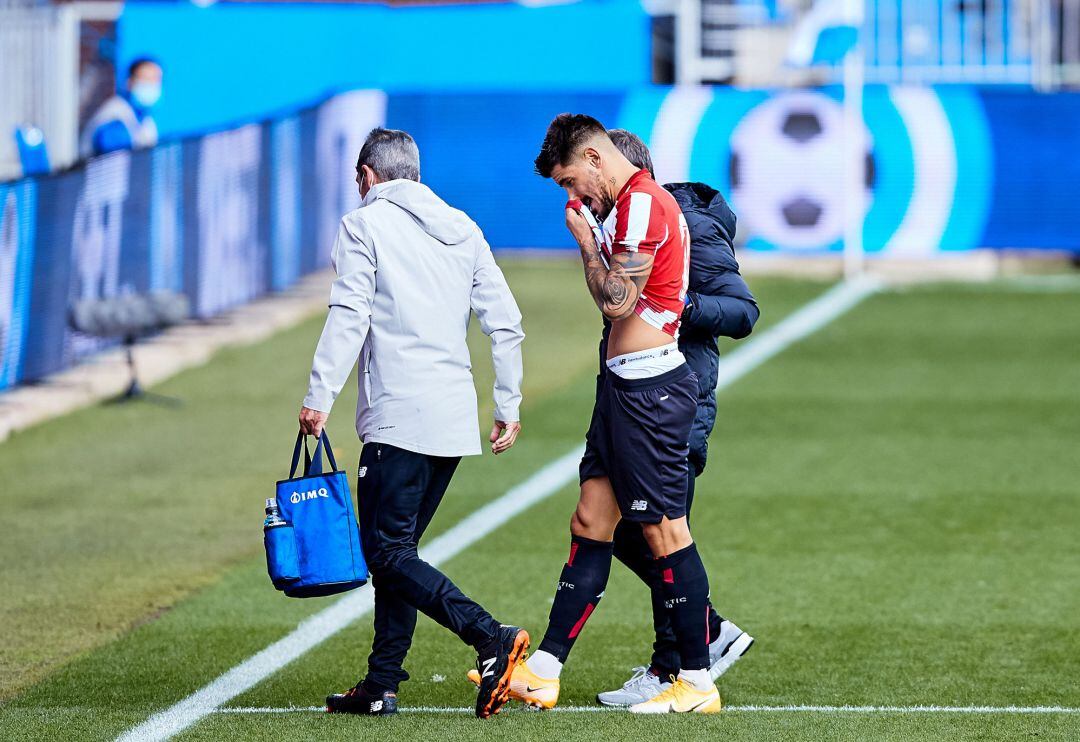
x=135, y=391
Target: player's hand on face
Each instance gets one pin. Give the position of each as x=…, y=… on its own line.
x=503, y=435
x=312, y=421
x=578, y=226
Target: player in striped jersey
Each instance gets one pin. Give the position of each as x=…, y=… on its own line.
x=718, y=304
x=645, y=218
x=635, y=464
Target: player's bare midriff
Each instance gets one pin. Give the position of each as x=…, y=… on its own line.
x=634, y=334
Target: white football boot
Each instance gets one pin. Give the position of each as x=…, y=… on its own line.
x=726, y=649
x=641, y=686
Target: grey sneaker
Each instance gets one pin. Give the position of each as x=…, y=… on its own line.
x=642, y=686
x=726, y=649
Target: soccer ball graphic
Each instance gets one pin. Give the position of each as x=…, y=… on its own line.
x=787, y=170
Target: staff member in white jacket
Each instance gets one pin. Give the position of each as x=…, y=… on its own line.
x=410, y=269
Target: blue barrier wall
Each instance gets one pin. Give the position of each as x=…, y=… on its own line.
x=222, y=218
x=236, y=62
x=1035, y=147
x=477, y=151
x=231, y=215
x=951, y=168
x=18, y=224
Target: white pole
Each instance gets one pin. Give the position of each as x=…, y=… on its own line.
x=688, y=42
x=854, y=150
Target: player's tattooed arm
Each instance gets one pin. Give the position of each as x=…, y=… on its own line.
x=616, y=289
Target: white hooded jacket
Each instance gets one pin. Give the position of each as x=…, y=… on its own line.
x=410, y=270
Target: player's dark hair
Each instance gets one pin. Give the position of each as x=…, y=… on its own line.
x=139, y=62
x=566, y=134
x=632, y=148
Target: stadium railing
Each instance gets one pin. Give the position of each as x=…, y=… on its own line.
x=1030, y=42
x=39, y=80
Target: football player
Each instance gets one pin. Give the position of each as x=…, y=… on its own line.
x=718, y=304
x=635, y=465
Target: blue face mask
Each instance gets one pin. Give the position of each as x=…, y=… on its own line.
x=146, y=94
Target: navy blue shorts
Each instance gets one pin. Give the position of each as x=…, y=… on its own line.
x=639, y=438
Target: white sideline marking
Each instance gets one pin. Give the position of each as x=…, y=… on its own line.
x=755, y=709
x=544, y=483
x=1067, y=283
x=801, y=323
x=327, y=622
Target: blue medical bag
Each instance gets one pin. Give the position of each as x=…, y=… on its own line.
x=312, y=540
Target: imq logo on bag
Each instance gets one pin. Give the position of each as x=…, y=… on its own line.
x=309, y=495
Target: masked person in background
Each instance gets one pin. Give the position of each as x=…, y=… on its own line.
x=124, y=121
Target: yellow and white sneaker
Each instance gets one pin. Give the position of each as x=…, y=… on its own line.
x=681, y=698
x=528, y=687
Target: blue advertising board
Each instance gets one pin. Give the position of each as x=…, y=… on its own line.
x=223, y=218
x=230, y=215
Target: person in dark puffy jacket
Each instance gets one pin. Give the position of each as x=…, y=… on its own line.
x=718, y=304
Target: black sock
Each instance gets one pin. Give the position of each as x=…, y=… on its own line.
x=686, y=596
x=715, y=619
x=581, y=586
x=632, y=549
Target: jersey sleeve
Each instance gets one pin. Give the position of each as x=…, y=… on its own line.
x=638, y=228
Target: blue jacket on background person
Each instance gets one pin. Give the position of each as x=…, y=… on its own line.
x=118, y=124
x=719, y=303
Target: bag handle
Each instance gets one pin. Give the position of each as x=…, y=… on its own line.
x=316, y=458
x=312, y=462
x=300, y=438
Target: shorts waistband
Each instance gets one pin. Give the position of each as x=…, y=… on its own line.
x=646, y=363
x=643, y=355
x=652, y=382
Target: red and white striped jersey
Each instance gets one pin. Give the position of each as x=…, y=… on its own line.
x=647, y=219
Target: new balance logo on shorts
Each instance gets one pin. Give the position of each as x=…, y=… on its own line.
x=639, y=505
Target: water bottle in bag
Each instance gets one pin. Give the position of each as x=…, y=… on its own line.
x=280, y=541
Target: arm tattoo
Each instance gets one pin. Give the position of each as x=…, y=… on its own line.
x=615, y=290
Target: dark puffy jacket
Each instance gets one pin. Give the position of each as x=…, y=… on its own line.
x=721, y=304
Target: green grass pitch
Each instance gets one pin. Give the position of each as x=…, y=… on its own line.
x=891, y=507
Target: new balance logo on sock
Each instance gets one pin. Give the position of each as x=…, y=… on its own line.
x=376, y=706
x=639, y=505
x=486, y=670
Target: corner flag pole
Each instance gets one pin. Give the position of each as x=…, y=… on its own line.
x=854, y=147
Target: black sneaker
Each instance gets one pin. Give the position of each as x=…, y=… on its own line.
x=495, y=663
x=358, y=701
